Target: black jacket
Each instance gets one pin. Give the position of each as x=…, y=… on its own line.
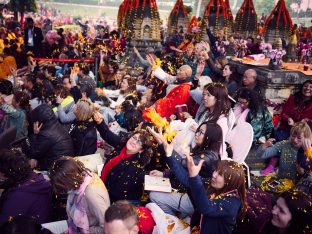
x=52, y=142
x=125, y=180
x=38, y=38
x=84, y=138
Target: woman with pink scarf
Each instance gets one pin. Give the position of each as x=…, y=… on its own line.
x=87, y=199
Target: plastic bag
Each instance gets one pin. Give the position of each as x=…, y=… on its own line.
x=166, y=223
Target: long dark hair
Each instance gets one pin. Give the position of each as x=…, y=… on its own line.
x=67, y=174
x=299, y=96
x=212, y=138
x=22, y=99
x=14, y=165
x=300, y=207
x=234, y=76
x=254, y=102
x=223, y=105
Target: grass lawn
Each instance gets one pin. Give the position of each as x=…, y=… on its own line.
x=91, y=11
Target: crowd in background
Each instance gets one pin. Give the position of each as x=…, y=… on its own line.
x=62, y=110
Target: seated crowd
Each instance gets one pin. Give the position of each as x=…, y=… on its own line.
x=60, y=112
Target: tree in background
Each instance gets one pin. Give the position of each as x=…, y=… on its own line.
x=22, y=6
x=189, y=9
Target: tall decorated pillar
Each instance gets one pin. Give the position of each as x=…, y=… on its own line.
x=278, y=24
x=144, y=24
x=246, y=22
x=178, y=18
x=219, y=15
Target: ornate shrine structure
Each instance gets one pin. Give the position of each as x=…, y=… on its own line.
x=178, y=18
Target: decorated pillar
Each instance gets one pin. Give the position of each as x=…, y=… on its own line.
x=246, y=22
x=178, y=18
x=219, y=15
x=144, y=23
x=278, y=24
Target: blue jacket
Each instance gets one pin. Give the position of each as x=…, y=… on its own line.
x=178, y=165
x=219, y=215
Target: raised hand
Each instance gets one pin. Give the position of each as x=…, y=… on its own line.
x=151, y=60
x=37, y=127
x=161, y=140
x=135, y=50
x=156, y=173
x=290, y=121
x=306, y=144
x=100, y=92
x=192, y=168
x=158, y=136
x=98, y=118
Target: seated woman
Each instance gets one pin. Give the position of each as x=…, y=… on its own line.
x=83, y=130
x=286, y=150
x=87, y=196
x=249, y=108
x=231, y=79
x=126, y=167
x=291, y=214
x=226, y=198
x=25, y=192
x=298, y=107
x=215, y=107
x=208, y=140
x=127, y=87
x=216, y=66
x=64, y=105
x=50, y=139
x=200, y=68
x=17, y=112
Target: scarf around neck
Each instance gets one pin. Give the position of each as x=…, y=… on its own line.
x=76, y=209
x=113, y=162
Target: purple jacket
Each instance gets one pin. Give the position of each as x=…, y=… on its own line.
x=31, y=198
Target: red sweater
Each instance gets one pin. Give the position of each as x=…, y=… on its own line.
x=295, y=111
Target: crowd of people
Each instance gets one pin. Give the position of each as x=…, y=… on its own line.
x=61, y=110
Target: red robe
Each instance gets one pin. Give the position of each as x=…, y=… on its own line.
x=165, y=107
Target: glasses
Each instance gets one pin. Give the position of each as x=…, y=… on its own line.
x=137, y=139
x=242, y=102
x=199, y=132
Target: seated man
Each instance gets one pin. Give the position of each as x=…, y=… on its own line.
x=121, y=217
x=250, y=81
x=178, y=91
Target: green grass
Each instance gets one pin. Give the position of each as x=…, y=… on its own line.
x=85, y=11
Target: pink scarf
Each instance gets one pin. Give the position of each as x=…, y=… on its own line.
x=240, y=114
x=76, y=209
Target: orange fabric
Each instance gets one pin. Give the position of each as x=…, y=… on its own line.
x=8, y=62
x=165, y=107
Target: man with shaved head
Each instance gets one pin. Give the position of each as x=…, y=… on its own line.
x=250, y=81
x=178, y=90
x=183, y=75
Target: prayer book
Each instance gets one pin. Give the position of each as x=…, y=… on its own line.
x=159, y=184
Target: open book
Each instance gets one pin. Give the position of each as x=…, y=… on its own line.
x=159, y=184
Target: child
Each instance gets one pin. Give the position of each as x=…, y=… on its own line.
x=304, y=167
x=286, y=150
